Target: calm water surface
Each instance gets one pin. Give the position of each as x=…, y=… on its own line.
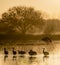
x=39, y=59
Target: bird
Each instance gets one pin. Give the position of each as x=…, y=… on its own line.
x=46, y=39
x=21, y=52
x=31, y=52
x=5, y=52
x=14, y=52
x=45, y=53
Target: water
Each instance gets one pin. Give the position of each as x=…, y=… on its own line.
x=39, y=59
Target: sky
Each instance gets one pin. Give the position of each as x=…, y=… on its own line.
x=50, y=8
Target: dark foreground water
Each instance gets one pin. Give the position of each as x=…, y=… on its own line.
x=39, y=59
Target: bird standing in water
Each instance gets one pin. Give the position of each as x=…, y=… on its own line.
x=14, y=52
x=31, y=52
x=5, y=54
x=5, y=51
x=21, y=52
x=45, y=53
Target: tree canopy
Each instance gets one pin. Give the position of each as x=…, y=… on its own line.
x=22, y=19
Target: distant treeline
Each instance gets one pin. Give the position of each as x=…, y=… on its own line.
x=28, y=37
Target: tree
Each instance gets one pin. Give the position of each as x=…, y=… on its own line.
x=49, y=29
x=22, y=19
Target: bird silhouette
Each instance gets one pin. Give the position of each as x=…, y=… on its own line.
x=5, y=51
x=14, y=52
x=5, y=54
x=21, y=52
x=31, y=52
x=45, y=53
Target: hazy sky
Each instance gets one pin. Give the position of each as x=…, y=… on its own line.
x=51, y=7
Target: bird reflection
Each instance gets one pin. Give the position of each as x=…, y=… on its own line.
x=5, y=57
x=31, y=59
x=45, y=58
x=21, y=56
x=14, y=57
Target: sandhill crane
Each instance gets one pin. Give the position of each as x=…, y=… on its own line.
x=5, y=51
x=45, y=53
x=21, y=52
x=14, y=52
x=31, y=52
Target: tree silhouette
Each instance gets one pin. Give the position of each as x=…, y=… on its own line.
x=49, y=27
x=22, y=19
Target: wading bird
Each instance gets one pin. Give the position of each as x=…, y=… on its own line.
x=5, y=51
x=31, y=52
x=45, y=53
